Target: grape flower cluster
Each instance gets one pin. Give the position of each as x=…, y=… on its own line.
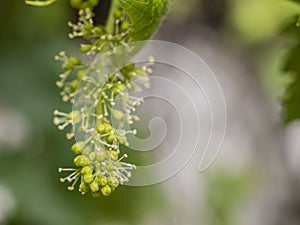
x=99, y=165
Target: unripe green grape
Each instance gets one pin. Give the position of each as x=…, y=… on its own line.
x=106, y=190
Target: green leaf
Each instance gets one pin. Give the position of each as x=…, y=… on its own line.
x=40, y=3
x=145, y=15
x=292, y=102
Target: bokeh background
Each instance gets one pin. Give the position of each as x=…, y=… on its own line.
x=255, y=179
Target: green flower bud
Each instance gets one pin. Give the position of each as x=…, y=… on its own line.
x=96, y=194
x=75, y=3
x=72, y=62
x=101, y=128
x=84, y=48
x=110, y=138
x=78, y=146
x=87, y=170
x=108, y=128
x=85, y=5
x=74, y=84
x=94, y=186
x=100, y=156
x=106, y=190
x=81, y=160
x=121, y=140
x=118, y=14
x=119, y=115
x=99, y=30
x=84, y=187
x=88, y=178
x=113, y=155
x=81, y=74
x=93, y=3
x=102, y=180
x=125, y=26
x=88, y=26
x=113, y=182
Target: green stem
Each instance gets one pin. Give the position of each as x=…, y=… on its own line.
x=111, y=20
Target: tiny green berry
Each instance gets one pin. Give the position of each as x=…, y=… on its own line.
x=94, y=186
x=106, y=190
x=81, y=160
